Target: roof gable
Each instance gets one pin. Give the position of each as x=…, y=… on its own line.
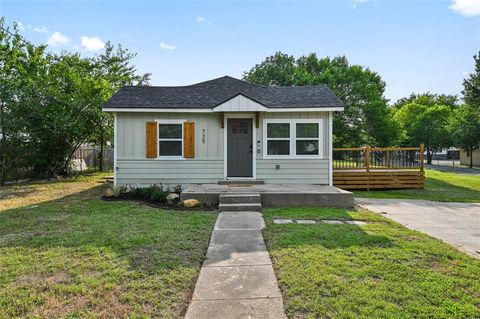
x=240, y=103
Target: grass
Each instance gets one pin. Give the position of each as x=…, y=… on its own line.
x=64, y=253
x=439, y=186
x=377, y=270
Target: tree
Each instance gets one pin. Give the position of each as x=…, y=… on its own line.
x=366, y=119
x=465, y=129
x=425, y=124
x=428, y=99
x=465, y=122
x=471, y=85
x=111, y=70
x=51, y=103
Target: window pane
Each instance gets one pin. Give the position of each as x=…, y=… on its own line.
x=307, y=130
x=170, y=148
x=170, y=130
x=278, y=130
x=278, y=147
x=307, y=147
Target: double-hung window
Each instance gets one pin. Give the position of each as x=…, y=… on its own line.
x=292, y=138
x=307, y=138
x=278, y=139
x=170, y=138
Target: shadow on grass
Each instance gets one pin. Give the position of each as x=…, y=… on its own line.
x=149, y=238
x=435, y=189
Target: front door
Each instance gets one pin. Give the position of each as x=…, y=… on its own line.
x=239, y=148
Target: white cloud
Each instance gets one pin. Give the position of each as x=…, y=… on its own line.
x=203, y=20
x=92, y=43
x=20, y=26
x=57, y=39
x=468, y=8
x=42, y=29
x=165, y=46
x=358, y=2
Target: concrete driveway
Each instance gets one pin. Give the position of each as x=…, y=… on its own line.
x=457, y=224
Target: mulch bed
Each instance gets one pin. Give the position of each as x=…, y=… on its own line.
x=162, y=205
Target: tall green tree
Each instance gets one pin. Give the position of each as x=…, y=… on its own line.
x=366, y=119
x=110, y=71
x=465, y=122
x=51, y=103
x=465, y=129
x=428, y=99
x=471, y=85
x=423, y=124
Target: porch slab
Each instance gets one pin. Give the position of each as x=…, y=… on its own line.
x=275, y=195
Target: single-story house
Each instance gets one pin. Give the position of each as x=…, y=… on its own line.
x=223, y=129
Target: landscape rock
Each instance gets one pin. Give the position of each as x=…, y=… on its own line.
x=172, y=197
x=190, y=203
x=108, y=193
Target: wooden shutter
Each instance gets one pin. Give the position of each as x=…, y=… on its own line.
x=151, y=139
x=189, y=139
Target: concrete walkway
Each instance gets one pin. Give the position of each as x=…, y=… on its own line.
x=237, y=278
x=457, y=224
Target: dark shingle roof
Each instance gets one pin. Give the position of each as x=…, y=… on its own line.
x=214, y=92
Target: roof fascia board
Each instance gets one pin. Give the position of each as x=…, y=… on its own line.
x=305, y=109
x=209, y=110
x=158, y=110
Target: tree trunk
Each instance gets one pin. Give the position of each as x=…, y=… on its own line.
x=471, y=157
x=429, y=156
x=101, y=152
x=3, y=146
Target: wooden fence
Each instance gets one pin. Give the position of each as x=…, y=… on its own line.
x=378, y=168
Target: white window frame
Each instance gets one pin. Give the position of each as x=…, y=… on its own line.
x=293, y=138
x=167, y=157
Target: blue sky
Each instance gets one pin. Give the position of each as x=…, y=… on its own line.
x=416, y=46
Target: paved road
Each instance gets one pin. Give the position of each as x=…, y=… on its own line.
x=457, y=224
x=462, y=170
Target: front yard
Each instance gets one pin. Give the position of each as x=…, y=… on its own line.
x=66, y=253
x=377, y=270
x=439, y=186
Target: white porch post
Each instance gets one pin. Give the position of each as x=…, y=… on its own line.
x=330, y=148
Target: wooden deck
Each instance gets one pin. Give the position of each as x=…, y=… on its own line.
x=379, y=168
x=383, y=179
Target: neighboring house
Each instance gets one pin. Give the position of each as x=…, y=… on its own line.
x=465, y=157
x=223, y=129
x=451, y=153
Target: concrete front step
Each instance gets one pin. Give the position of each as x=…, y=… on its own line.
x=240, y=199
x=240, y=207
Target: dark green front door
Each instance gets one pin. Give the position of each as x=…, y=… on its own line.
x=239, y=148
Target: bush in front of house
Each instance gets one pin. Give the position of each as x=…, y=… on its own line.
x=155, y=193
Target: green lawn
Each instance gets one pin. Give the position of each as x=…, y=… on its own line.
x=439, y=186
x=377, y=270
x=77, y=256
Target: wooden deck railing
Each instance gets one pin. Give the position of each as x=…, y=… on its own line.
x=378, y=158
x=378, y=167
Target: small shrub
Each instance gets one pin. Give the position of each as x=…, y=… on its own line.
x=142, y=192
x=159, y=195
x=116, y=191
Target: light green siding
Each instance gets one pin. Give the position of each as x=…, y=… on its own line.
x=135, y=169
